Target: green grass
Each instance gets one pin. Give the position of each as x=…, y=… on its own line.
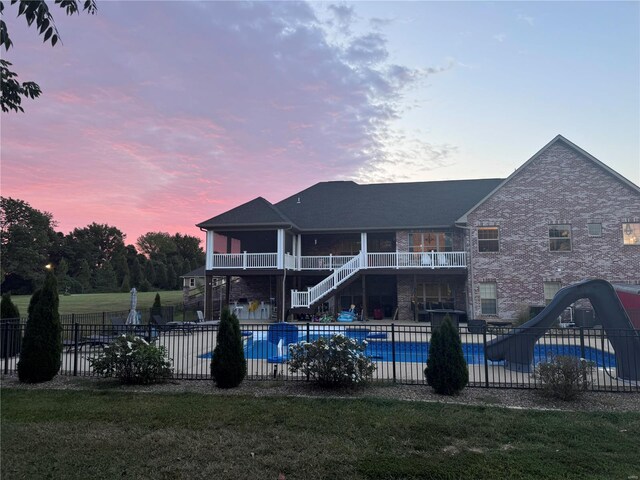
x=109, y=434
x=102, y=302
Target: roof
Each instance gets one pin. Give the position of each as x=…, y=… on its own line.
x=557, y=139
x=348, y=206
x=198, y=272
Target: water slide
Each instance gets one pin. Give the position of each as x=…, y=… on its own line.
x=516, y=346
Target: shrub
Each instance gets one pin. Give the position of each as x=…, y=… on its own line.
x=133, y=360
x=447, y=370
x=156, y=308
x=228, y=366
x=40, y=355
x=564, y=377
x=8, y=309
x=333, y=362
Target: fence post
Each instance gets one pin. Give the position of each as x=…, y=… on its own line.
x=484, y=350
x=76, y=335
x=393, y=350
x=5, y=345
x=104, y=315
x=308, y=337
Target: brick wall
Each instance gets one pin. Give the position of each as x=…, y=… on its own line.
x=560, y=186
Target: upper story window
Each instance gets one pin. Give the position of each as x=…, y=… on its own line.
x=631, y=233
x=595, y=229
x=560, y=238
x=488, y=239
x=431, y=242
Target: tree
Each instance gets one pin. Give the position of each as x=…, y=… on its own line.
x=104, y=279
x=34, y=11
x=189, y=248
x=84, y=276
x=95, y=243
x=156, y=308
x=228, y=366
x=447, y=371
x=42, y=345
x=8, y=309
x=26, y=236
x=157, y=245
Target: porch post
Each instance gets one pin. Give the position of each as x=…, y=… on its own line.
x=280, y=256
x=364, y=298
x=298, y=252
x=363, y=248
x=227, y=292
x=209, y=250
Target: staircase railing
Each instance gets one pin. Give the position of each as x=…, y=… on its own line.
x=338, y=277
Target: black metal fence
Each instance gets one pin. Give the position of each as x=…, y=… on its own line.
x=399, y=352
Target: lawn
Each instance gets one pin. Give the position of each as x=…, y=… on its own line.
x=109, y=434
x=102, y=302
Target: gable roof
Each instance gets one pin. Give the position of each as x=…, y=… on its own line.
x=198, y=272
x=255, y=213
x=348, y=206
x=557, y=139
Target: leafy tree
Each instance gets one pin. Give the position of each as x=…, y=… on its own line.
x=84, y=276
x=172, y=278
x=8, y=309
x=157, y=245
x=149, y=273
x=104, y=278
x=189, y=248
x=161, y=275
x=120, y=266
x=42, y=345
x=33, y=11
x=95, y=243
x=228, y=366
x=447, y=371
x=26, y=236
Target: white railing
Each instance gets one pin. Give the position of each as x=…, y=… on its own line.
x=323, y=262
x=339, y=276
x=245, y=260
x=417, y=260
x=397, y=260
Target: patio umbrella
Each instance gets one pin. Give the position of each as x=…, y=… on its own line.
x=132, y=319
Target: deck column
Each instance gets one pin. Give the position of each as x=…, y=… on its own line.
x=280, y=257
x=363, y=249
x=209, y=250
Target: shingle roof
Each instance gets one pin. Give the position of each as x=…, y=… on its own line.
x=198, y=272
x=350, y=206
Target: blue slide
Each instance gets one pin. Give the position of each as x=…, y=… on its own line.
x=516, y=347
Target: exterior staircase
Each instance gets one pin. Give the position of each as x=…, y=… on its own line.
x=326, y=287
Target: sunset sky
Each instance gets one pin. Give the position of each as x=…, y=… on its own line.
x=158, y=115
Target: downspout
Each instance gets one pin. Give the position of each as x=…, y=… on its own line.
x=205, y=276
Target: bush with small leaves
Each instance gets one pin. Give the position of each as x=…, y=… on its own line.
x=564, y=377
x=40, y=354
x=8, y=309
x=447, y=371
x=133, y=360
x=228, y=366
x=337, y=361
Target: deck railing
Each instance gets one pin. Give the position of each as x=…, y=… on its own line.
x=396, y=260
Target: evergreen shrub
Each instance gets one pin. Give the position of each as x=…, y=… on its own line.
x=228, y=366
x=447, y=371
x=42, y=343
x=8, y=309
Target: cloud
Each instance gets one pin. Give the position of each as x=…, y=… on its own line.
x=343, y=15
x=380, y=23
x=159, y=115
x=526, y=18
x=500, y=37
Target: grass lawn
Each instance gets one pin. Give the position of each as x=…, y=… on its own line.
x=102, y=302
x=109, y=434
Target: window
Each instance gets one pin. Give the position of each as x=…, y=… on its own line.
x=550, y=290
x=192, y=282
x=431, y=242
x=488, y=299
x=434, y=295
x=560, y=238
x=595, y=229
x=488, y=240
x=631, y=233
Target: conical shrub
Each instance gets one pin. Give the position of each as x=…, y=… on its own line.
x=447, y=370
x=42, y=344
x=8, y=309
x=228, y=366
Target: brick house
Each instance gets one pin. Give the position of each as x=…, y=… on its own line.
x=407, y=251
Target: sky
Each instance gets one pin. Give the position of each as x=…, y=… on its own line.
x=157, y=115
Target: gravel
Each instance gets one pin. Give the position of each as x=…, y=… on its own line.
x=491, y=397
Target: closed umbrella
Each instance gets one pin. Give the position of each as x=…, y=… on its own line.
x=132, y=319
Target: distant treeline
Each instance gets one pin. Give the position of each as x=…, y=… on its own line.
x=90, y=259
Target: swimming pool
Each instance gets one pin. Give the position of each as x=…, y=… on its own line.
x=380, y=349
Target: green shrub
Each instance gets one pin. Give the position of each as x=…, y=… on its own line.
x=40, y=355
x=447, y=370
x=337, y=361
x=228, y=366
x=156, y=308
x=8, y=309
x=564, y=377
x=133, y=360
